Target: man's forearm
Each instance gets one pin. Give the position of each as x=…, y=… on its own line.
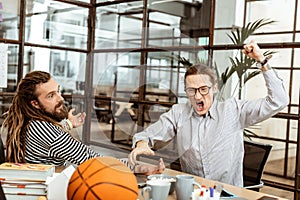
x=141, y=143
x=139, y=137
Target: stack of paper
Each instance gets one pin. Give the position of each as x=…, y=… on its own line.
x=24, y=180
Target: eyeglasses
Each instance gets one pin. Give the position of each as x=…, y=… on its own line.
x=202, y=90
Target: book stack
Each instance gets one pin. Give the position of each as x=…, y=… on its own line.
x=25, y=181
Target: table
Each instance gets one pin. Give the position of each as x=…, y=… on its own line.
x=238, y=191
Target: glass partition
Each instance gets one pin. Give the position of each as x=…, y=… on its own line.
x=273, y=161
x=297, y=37
x=57, y=24
x=271, y=10
x=297, y=61
x=115, y=72
x=12, y=68
x=279, y=38
x=295, y=90
x=117, y=27
x=298, y=17
x=9, y=19
x=67, y=67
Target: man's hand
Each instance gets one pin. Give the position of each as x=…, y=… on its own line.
x=150, y=169
x=141, y=148
x=76, y=120
x=253, y=51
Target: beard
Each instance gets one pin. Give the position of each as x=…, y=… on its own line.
x=57, y=116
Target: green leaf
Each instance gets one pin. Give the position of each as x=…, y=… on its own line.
x=251, y=75
x=240, y=35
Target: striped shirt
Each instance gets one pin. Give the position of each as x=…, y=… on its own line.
x=48, y=144
x=212, y=146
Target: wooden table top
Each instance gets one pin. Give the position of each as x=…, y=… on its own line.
x=242, y=193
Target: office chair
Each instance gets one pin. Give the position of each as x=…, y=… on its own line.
x=2, y=152
x=255, y=159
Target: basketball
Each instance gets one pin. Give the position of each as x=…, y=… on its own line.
x=103, y=178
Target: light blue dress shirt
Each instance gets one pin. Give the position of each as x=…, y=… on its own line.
x=212, y=147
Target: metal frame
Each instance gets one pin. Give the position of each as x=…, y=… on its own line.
x=90, y=51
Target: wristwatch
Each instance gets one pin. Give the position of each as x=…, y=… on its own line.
x=259, y=64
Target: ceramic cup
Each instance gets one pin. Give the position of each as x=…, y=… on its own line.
x=157, y=189
x=164, y=177
x=184, y=186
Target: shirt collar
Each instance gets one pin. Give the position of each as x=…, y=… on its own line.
x=213, y=110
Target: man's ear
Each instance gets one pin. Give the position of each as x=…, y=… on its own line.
x=35, y=104
x=215, y=88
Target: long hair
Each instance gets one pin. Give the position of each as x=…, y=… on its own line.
x=21, y=112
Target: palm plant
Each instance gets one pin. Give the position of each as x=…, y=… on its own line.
x=242, y=63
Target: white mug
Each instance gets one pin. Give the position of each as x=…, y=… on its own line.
x=158, y=189
x=184, y=186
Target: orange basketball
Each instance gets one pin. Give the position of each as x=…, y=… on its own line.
x=103, y=178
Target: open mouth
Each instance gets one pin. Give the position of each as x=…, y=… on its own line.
x=59, y=106
x=200, y=105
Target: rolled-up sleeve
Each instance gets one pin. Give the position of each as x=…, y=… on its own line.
x=162, y=130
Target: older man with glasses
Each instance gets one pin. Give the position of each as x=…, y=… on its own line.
x=208, y=133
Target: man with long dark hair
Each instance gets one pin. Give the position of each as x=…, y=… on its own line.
x=38, y=123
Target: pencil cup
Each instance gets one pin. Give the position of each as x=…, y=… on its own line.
x=184, y=186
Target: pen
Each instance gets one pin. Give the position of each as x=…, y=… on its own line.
x=211, y=192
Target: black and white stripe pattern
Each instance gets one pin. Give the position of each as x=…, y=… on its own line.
x=47, y=143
